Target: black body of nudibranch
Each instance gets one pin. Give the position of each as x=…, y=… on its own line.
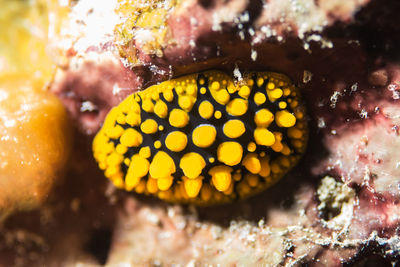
x=203, y=138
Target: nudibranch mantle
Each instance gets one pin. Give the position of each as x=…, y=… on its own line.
x=204, y=138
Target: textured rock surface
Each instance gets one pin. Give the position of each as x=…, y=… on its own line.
x=342, y=56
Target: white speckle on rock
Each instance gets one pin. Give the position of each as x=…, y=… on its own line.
x=321, y=123
x=88, y=106
x=253, y=55
x=193, y=21
x=237, y=74
x=363, y=114
x=307, y=76
x=334, y=98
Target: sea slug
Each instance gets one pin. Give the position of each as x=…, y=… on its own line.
x=204, y=138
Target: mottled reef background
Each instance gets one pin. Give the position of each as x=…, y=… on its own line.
x=339, y=206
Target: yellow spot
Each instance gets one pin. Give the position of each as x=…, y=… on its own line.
x=218, y=114
x=157, y=144
x=251, y=179
x=131, y=138
x=121, y=149
x=114, y=159
x=294, y=133
x=264, y=137
x=165, y=183
x=237, y=177
x=231, y=88
x=191, y=90
x=178, y=118
x=286, y=91
x=260, y=81
x=259, y=98
x=149, y=126
x=252, y=163
x=121, y=119
x=206, y=109
x=230, y=153
x=185, y=102
x=155, y=96
x=263, y=118
x=179, y=90
x=215, y=85
x=229, y=191
x=265, y=168
x=192, y=186
x=277, y=146
x=285, y=162
x=145, y=152
x=275, y=168
x=206, y=192
x=161, y=109
x=160, y=128
x=140, y=188
x=192, y=164
x=133, y=119
x=234, y=128
x=204, y=135
x=282, y=105
x=168, y=95
x=274, y=94
x=299, y=115
x=222, y=96
x=138, y=168
x=202, y=81
x=151, y=185
x=270, y=85
x=203, y=90
x=211, y=159
x=221, y=177
x=148, y=105
x=162, y=165
x=176, y=141
x=286, y=150
x=114, y=132
x=251, y=147
x=297, y=144
x=285, y=119
x=237, y=107
x=244, y=91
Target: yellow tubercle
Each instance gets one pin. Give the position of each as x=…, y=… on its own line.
x=192, y=186
x=285, y=119
x=178, y=118
x=234, y=128
x=221, y=177
x=176, y=141
x=149, y=126
x=264, y=137
x=230, y=153
x=237, y=107
x=131, y=138
x=162, y=165
x=204, y=135
x=192, y=165
x=206, y=109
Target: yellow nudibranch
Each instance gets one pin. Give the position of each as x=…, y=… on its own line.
x=203, y=138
